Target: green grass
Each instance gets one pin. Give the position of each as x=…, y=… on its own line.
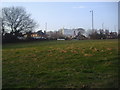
x=61, y=64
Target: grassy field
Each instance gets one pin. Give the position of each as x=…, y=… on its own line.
x=61, y=64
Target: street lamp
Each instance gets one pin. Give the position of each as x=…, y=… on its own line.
x=92, y=20
x=46, y=26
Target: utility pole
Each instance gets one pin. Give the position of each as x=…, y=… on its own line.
x=102, y=26
x=115, y=28
x=92, y=20
x=46, y=26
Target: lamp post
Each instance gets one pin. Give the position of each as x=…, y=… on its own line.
x=102, y=26
x=46, y=26
x=92, y=20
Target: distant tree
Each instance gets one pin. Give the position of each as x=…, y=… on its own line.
x=102, y=34
x=114, y=35
x=55, y=34
x=15, y=21
x=119, y=34
x=93, y=34
x=107, y=32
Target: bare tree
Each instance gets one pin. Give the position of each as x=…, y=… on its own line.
x=15, y=20
x=2, y=27
x=93, y=34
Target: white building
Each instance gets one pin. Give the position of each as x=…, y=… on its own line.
x=69, y=32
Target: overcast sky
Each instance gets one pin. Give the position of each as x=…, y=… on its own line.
x=71, y=14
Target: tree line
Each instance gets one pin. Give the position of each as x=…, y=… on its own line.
x=16, y=22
